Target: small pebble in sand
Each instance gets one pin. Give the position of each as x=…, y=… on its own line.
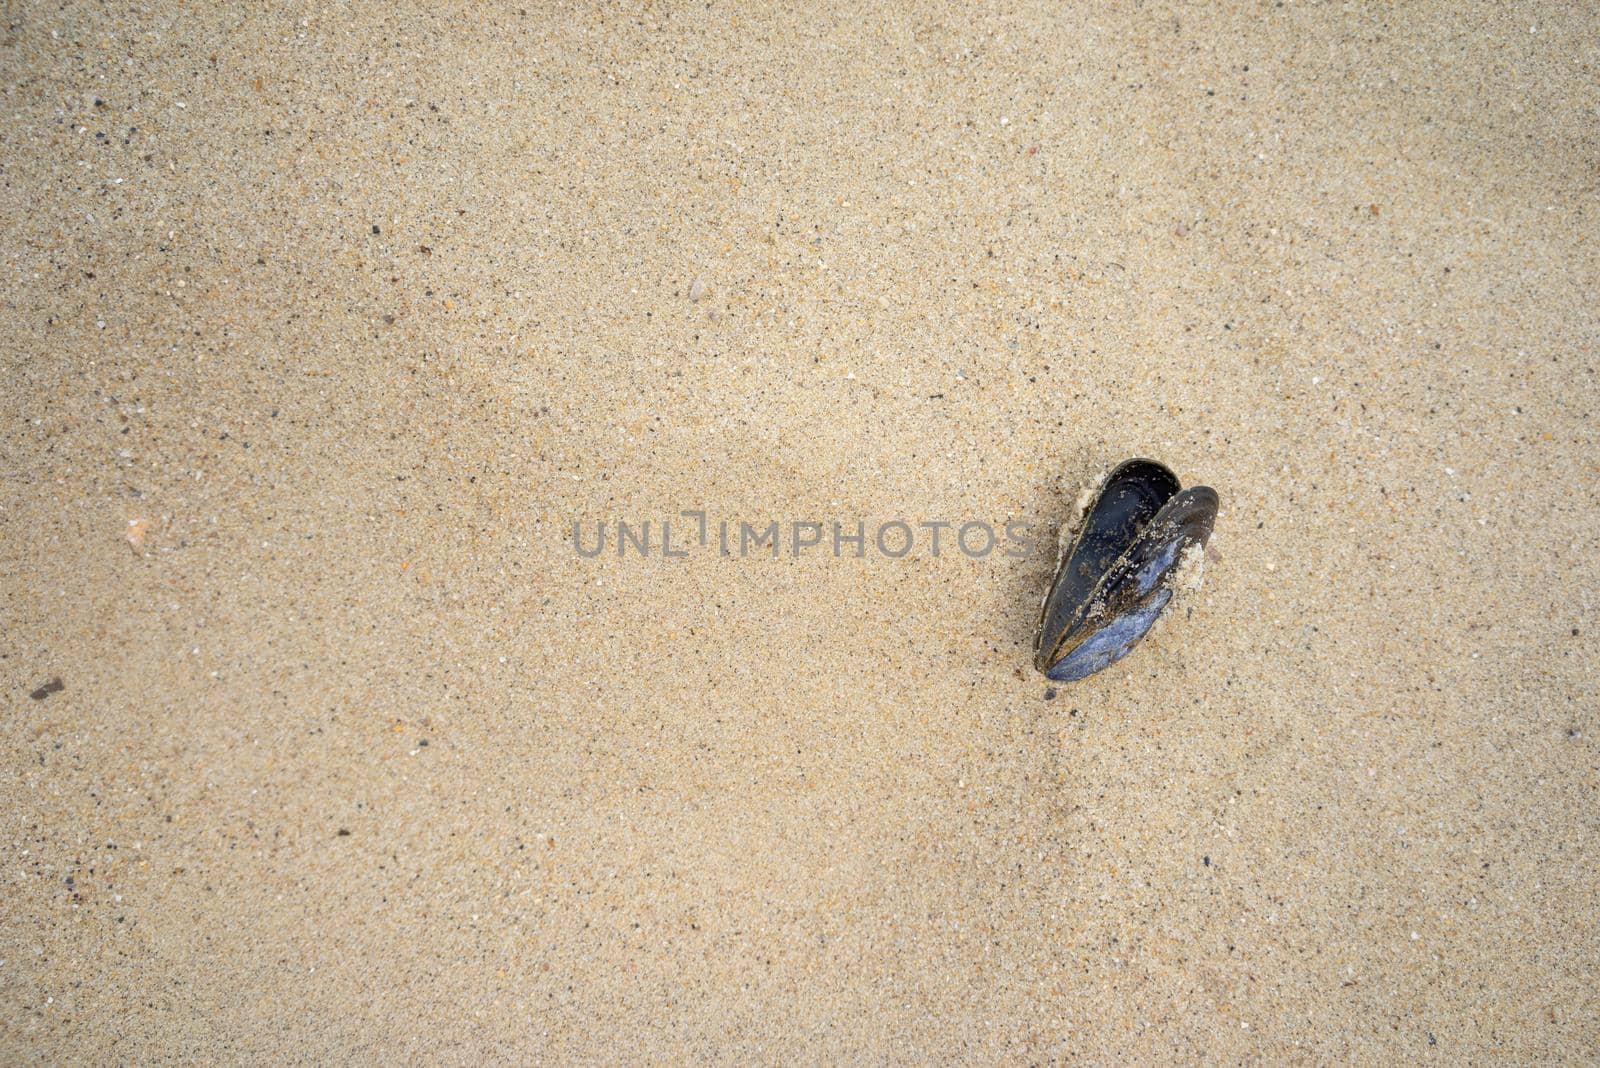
x=53, y=686
x=136, y=531
x=697, y=289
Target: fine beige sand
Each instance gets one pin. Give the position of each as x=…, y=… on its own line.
x=323, y=327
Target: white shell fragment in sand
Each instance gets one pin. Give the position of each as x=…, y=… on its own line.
x=697, y=289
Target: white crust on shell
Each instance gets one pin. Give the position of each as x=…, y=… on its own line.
x=1183, y=580
x=1191, y=570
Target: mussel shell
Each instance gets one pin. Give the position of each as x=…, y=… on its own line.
x=1111, y=584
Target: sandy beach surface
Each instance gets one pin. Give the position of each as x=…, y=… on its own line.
x=324, y=326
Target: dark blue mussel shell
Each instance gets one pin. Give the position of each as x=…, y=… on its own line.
x=1112, y=582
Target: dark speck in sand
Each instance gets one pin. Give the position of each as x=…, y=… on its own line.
x=423, y=744
x=344, y=832
x=1050, y=693
x=53, y=686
